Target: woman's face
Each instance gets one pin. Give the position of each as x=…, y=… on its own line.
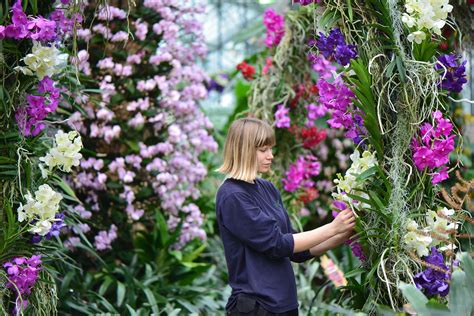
x=264, y=158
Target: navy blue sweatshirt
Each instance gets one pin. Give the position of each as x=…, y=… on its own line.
x=258, y=242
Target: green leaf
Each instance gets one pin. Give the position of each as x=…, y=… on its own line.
x=437, y=309
x=9, y=173
x=11, y=219
x=329, y=18
x=194, y=254
x=385, y=311
x=354, y=273
x=131, y=310
x=66, y=281
x=415, y=297
x=34, y=6
x=460, y=299
x=66, y=188
x=177, y=254
x=401, y=69
x=191, y=308
x=120, y=293
x=349, y=10
x=162, y=228
x=106, y=304
x=367, y=174
x=360, y=199
x=377, y=200
x=152, y=301
x=133, y=145
x=193, y=265
x=105, y=285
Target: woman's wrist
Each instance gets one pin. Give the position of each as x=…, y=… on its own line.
x=332, y=229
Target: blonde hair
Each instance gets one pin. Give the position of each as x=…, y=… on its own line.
x=240, y=150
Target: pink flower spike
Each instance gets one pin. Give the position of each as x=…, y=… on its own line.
x=437, y=115
x=440, y=176
x=423, y=157
x=444, y=127
x=282, y=120
x=426, y=132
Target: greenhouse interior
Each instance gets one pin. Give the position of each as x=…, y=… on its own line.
x=237, y=157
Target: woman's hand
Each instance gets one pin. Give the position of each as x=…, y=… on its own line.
x=344, y=222
x=327, y=236
x=345, y=236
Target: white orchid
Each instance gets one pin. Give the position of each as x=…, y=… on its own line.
x=435, y=233
x=423, y=16
x=349, y=184
x=42, y=209
x=43, y=61
x=440, y=225
x=66, y=152
x=418, y=242
x=417, y=37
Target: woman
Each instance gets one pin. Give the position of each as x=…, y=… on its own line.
x=259, y=242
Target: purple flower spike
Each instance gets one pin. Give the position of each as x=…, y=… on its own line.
x=334, y=46
x=455, y=77
x=22, y=275
x=432, y=281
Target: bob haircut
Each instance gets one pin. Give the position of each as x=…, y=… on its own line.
x=245, y=136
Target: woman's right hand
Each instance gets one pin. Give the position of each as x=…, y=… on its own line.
x=344, y=221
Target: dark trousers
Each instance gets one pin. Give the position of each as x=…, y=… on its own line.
x=248, y=306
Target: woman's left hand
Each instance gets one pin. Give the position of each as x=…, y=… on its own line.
x=343, y=237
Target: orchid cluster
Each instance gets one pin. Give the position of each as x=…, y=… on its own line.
x=312, y=137
x=29, y=117
x=57, y=225
x=437, y=142
x=321, y=65
x=103, y=240
x=22, y=276
x=282, y=118
x=43, y=61
x=275, y=25
x=306, y=2
x=424, y=16
x=453, y=72
x=437, y=232
x=38, y=28
x=337, y=98
x=434, y=280
x=248, y=71
x=65, y=153
x=147, y=127
x=349, y=184
x=334, y=47
x=40, y=210
x=299, y=173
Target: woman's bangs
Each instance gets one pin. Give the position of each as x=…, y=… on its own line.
x=265, y=136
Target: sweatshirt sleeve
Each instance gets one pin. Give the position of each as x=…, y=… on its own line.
x=246, y=221
x=300, y=256
x=297, y=256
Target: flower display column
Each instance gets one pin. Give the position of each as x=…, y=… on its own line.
x=145, y=135
x=33, y=151
x=383, y=81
